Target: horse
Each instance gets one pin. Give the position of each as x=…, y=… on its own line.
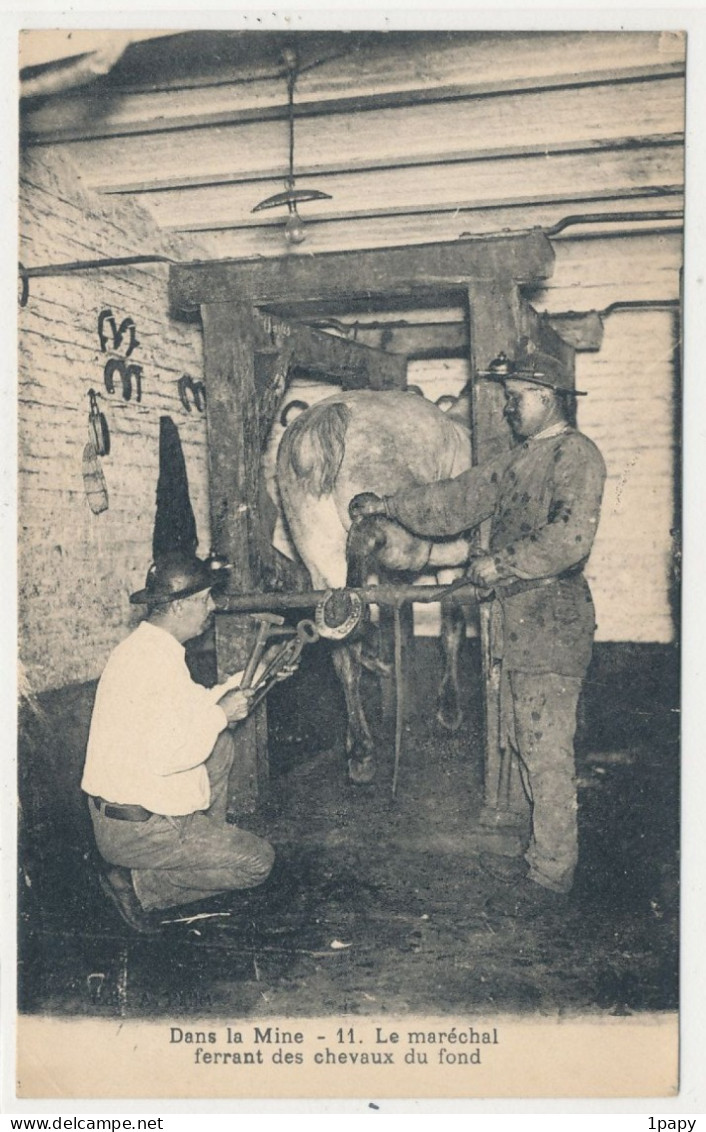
x=373, y=441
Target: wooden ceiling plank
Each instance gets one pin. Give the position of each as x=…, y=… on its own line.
x=465, y=185
x=394, y=162
x=369, y=55
x=432, y=132
x=103, y=111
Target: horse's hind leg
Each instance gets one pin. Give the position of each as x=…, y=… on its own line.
x=453, y=627
x=361, y=760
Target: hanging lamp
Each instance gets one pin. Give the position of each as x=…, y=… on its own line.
x=294, y=228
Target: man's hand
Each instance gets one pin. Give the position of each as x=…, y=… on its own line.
x=483, y=571
x=236, y=704
x=366, y=504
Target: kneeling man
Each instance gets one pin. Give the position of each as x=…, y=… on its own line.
x=158, y=759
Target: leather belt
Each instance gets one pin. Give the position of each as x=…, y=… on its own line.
x=524, y=585
x=122, y=813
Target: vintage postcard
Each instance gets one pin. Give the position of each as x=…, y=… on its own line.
x=349, y=514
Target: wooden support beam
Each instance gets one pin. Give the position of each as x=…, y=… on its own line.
x=355, y=365
x=429, y=304
x=420, y=226
x=494, y=318
x=234, y=460
x=378, y=271
x=420, y=342
x=539, y=332
x=582, y=330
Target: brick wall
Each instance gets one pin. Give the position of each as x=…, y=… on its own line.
x=632, y=415
x=77, y=568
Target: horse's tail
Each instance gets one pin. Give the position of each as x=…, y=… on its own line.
x=314, y=446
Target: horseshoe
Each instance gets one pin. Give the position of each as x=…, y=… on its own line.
x=345, y=628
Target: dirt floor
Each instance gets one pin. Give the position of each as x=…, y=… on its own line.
x=378, y=906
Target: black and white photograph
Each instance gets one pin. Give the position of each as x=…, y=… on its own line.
x=349, y=490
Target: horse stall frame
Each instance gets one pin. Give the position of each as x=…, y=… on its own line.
x=248, y=353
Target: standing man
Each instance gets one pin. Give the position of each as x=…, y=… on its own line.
x=158, y=759
x=543, y=498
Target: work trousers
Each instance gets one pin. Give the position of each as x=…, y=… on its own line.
x=538, y=724
x=175, y=860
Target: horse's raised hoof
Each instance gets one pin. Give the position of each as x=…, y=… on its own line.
x=361, y=772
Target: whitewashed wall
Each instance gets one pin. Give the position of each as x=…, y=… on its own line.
x=631, y=412
x=633, y=421
x=77, y=569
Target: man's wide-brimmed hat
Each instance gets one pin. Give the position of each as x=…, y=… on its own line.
x=179, y=574
x=535, y=367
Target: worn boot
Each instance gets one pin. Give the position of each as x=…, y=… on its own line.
x=116, y=883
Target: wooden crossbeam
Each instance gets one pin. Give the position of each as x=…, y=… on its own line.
x=419, y=342
x=356, y=365
x=523, y=258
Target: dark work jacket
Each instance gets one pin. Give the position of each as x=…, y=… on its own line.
x=544, y=499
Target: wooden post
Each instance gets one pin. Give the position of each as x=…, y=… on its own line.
x=405, y=615
x=234, y=463
x=493, y=315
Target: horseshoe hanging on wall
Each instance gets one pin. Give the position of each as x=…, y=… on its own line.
x=98, y=426
x=94, y=483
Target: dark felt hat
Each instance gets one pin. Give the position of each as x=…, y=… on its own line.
x=179, y=574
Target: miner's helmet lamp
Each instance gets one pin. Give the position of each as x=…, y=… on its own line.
x=179, y=574
x=535, y=367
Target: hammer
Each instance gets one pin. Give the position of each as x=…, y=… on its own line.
x=267, y=623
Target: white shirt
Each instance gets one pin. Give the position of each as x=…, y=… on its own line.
x=152, y=728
